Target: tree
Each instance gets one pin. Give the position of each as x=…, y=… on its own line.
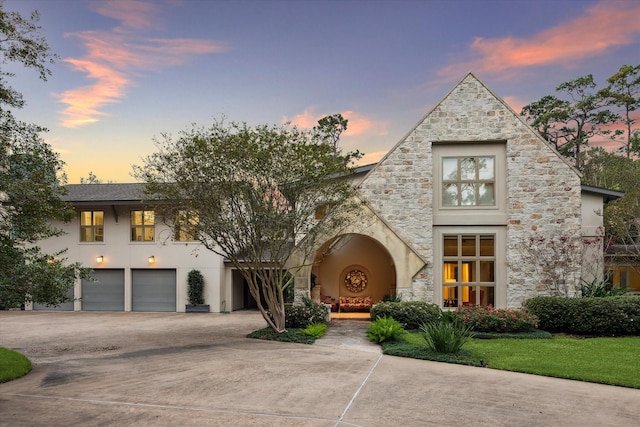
x=30, y=188
x=622, y=219
x=255, y=192
x=569, y=124
x=605, y=169
x=623, y=91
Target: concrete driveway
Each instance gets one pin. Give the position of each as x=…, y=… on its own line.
x=177, y=369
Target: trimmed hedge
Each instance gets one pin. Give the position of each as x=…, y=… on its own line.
x=410, y=314
x=301, y=316
x=489, y=319
x=610, y=316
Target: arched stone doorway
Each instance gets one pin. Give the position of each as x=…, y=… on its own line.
x=351, y=253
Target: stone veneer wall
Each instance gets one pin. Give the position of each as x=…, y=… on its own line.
x=543, y=190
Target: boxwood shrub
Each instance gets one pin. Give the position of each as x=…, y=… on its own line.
x=301, y=316
x=610, y=316
x=410, y=314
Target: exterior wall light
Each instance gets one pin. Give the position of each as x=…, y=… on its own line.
x=100, y=259
x=152, y=259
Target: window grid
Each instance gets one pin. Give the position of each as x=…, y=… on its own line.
x=92, y=226
x=468, y=181
x=142, y=226
x=468, y=269
x=186, y=226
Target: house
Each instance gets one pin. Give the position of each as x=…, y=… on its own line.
x=447, y=212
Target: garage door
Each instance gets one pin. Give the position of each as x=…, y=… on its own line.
x=153, y=290
x=67, y=306
x=106, y=293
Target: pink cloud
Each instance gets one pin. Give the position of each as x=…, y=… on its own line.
x=133, y=14
x=515, y=103
x=603, y=27
x=370, y=158
x=115, y=58
x=357, y=123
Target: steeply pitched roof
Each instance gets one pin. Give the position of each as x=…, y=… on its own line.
x=107, y=193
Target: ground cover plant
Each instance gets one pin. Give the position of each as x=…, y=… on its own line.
x=316, y=330
x=290, y=335
x=12, y=365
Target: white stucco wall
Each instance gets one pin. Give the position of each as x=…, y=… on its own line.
x=120, y=252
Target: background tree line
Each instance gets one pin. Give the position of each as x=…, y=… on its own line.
x=581, y=112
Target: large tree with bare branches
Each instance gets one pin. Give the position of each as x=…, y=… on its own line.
x=252, y=194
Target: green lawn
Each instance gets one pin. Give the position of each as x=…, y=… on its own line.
x=614, y=361
x=12, y=365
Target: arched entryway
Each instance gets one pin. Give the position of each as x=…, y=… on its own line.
x=354, y=265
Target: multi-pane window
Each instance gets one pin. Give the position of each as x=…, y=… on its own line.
x=142, y=226
x=92, y=226
x=186, y=226
x=469, y=263
x=468, y=181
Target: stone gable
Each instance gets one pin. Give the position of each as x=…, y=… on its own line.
x=543, y=190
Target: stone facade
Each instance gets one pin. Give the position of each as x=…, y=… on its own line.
x=542, y=189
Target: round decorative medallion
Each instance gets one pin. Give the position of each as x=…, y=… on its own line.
x=355, y=281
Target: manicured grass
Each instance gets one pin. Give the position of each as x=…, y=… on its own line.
x=613, y=361
x=12, y=365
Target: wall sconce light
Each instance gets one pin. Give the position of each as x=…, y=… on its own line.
x=152, y=259
x=100, y=259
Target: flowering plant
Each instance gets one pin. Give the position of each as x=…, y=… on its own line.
x=489, y=319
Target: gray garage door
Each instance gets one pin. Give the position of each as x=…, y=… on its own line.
x=153, y=290
x=67, y=306
x=106, y=293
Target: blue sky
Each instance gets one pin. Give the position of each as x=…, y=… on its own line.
x=130, y=70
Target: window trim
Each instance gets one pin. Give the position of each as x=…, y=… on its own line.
x=92, y=227
x=500, y=262
x=183, y=225
x=469, y=214
x=459, y=182
x=142, y=226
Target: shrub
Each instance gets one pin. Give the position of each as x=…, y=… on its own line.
x=609, y=316
x=445, y=337
x=385, y=329
x=315, y=330
x=410, y=314
x=599, y=288
x=301, y=316
x=392, y=297
x=489, y=319
x=195, y=283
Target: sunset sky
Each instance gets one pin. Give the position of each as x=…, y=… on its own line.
x=132, y=69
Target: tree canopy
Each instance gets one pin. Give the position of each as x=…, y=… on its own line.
x=570, y=123
x=252, y=193
x=30, y=181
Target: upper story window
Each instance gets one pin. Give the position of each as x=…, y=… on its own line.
x=92, y=226
x=186, y=226
x=142, y=226
x=468, y=181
